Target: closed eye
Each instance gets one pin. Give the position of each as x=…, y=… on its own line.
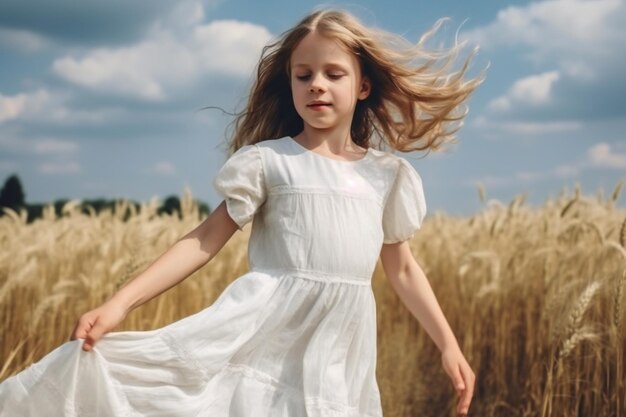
x=332, y=76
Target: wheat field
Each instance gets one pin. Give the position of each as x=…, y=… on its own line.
x=535, y=297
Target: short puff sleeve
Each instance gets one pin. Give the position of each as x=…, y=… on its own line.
x=241, y=182
x=405, y=205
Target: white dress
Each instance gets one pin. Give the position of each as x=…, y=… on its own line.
x=293, y=337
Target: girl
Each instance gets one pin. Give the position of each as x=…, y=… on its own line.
x=296, y=335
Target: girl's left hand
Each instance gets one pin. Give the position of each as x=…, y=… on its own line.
x=462, y=376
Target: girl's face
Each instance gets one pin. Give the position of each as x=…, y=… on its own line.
x=323, y=71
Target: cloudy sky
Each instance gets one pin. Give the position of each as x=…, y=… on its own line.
x=103, y=99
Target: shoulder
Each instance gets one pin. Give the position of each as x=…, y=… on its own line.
x=262, y=149
x=389, y=162
x=270, y=149
x=268, y=145
x=400, y=176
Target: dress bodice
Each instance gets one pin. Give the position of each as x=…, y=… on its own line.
x=316, y=214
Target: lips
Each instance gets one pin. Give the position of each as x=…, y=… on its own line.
x=318, y=103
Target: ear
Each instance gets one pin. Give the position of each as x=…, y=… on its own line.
x=366, y=88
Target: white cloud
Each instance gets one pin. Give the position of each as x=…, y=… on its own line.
x=601, y=155
x=527, y=128
x=567, y=171
x=47, y=106
x=561, y=30
x=42, y=146
x=54, y=146
x=164, y=168
x=12, y=107
x=533, y=90
x=573, y=46
x=124, y=70
x=229, y=46
x=516, y=179
x=59, y=168
x=153, y=68
x=22, y=40
x=184, y=15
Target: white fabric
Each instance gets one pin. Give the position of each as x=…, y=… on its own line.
x=241, y=182
x=406, y=207
x=293, y=337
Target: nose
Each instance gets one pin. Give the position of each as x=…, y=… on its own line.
x=317, y=83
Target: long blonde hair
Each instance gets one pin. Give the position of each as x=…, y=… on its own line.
x=422, y=99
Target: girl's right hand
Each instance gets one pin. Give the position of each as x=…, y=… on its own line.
x=95, y=323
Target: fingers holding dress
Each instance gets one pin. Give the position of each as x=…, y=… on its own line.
x=92, y=325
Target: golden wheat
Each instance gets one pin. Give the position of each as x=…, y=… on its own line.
x=572, y=331
x=482, y=194
x=522, y=288
x=617, y=192
x=568, y=206
x=617, y=300
x=568, y=345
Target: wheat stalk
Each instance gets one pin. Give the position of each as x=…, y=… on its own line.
x=617, y=301
x=568, y=345
x=553, y=303
x=9, y=359
x=569, y=206
x=578, y=190
x=578, y=310
x=617, y=191
x=482, y=194
x=51, y=302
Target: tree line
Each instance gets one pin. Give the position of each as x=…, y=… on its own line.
x=12, y=196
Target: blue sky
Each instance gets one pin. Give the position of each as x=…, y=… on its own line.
x=102, y=99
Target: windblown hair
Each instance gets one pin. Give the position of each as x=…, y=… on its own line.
x=407, y=104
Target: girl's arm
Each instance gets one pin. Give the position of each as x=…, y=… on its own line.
x=183, y=258
x=410, y=283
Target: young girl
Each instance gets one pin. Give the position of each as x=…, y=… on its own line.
x=296, y=335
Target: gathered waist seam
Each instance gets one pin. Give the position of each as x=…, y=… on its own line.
x=317, y=275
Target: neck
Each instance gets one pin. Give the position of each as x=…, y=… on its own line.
x=337, y=141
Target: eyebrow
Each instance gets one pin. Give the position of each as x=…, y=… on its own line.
x=332, y=65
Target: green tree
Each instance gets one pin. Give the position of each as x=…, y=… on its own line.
x=12, y=193
x=171, y=205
